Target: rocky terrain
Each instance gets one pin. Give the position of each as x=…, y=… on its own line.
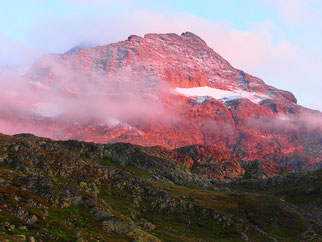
x=77, y=191
x=172, y=91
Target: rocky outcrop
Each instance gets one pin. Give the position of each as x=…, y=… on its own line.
x=77, y=191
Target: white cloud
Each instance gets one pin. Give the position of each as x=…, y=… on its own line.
x=298, y=12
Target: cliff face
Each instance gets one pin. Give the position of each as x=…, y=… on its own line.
x=199, y=97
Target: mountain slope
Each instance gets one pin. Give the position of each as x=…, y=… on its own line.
x=71, y=190
x=171, y=91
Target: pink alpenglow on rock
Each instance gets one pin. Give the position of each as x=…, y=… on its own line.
x=166, y=90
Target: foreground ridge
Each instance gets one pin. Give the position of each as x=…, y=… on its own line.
x=70, y=190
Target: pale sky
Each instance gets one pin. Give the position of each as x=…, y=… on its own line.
x=278, y=41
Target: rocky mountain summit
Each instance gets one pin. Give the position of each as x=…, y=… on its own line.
x=172, y=91
x=77, y=191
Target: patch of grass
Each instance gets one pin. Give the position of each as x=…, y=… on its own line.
x=61, y=233
x=117, y=199
x=189, y=226
x=303, y=196
x=137, y=171
x=4, y=217
x=58, y=218
x=213, y=200
x=272, y=216
x=66, y=222
x=60, y=214
x=262, y=211
x=106, y=162
x=128, y=168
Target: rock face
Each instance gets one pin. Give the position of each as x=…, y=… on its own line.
x=201, y=99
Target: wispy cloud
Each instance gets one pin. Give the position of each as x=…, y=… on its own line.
x=85, y=98
x=299, y=12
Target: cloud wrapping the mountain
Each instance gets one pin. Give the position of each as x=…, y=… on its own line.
x=87, y=98
x=308, y=122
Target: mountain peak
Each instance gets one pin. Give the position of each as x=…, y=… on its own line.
x=208, y=101
x=193, y=38
x=186, y=36
x=134, y=38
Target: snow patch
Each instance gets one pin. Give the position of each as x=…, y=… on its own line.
x=223, y=95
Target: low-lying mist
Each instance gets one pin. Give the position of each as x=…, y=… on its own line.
x=303, y=122
x=83, y=97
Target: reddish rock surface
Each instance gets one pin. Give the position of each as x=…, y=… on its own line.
x=272, y=128
x=213, y=162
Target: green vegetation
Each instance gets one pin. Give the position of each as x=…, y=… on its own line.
x=128, y=168
x=83, y=191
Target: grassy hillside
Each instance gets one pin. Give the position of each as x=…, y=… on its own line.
x=76, y=191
